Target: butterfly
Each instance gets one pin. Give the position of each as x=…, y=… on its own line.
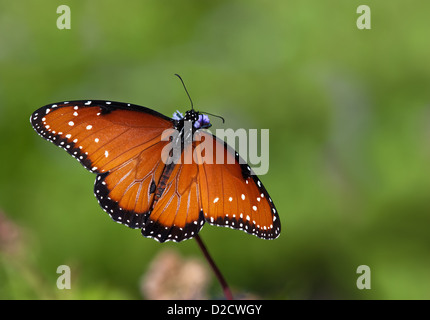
x=140, y=181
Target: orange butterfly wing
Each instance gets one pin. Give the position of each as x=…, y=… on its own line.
x=223, y=194
x=120, y=142
x=177, y=213
x=232, y=196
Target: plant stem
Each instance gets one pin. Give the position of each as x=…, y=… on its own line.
x=227, y=293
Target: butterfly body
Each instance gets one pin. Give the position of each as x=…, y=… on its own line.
x=126, y=146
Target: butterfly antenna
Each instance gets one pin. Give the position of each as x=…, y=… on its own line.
x=214, y=115
x=183, y=84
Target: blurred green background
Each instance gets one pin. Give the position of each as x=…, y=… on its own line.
x=349, y=118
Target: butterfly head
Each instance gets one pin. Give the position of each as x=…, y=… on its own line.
x=199, y=120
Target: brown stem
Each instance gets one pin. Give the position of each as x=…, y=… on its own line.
x=227, y=293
